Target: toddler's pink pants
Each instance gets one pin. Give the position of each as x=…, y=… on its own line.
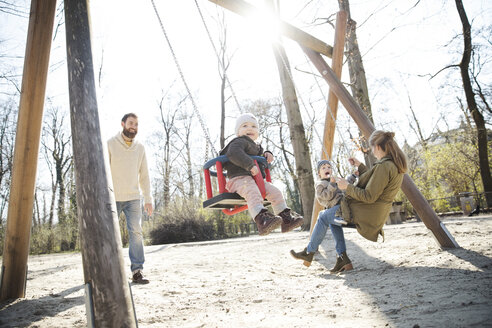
x=246, y=187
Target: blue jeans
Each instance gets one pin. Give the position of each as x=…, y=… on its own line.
x=326, y=219
x=133, y=215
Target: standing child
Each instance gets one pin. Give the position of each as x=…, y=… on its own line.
x=240, y=171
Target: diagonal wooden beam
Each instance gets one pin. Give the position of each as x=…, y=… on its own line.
x=19, y=219
x=243, y=8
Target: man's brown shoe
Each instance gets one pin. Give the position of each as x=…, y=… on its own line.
x=138, y=278
x=304, y=255
x=290, y=220
x=343, y=264
x=267, y=222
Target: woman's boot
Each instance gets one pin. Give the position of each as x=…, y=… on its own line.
x=303, y=255
x=343, y=264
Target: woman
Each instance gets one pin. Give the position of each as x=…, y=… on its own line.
x=366, y=204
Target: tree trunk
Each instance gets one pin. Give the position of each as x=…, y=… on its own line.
x=358, y=82
x=472, y=106
x=304, y=171
x=52, y=205
x=167, y=122
x=292, y=191
x=416, y=128
x=61, y=195
x=106, y=282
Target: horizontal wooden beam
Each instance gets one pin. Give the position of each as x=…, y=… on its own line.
x=243, y=8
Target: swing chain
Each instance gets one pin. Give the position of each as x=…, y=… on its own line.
x=195, y=108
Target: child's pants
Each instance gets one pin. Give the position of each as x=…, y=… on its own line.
x=246, y=187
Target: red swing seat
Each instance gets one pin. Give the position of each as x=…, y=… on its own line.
x=230, y=202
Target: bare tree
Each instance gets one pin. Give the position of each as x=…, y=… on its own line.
x=358, y=82
x=472, y=104
x=186, y=127
x=168, y=117
x=11, y=8
x=415, y=125
x=7, y=140
x=57, y=147
x=224, y=61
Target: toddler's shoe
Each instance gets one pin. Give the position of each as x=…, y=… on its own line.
x=267, y=222
x=290, y=220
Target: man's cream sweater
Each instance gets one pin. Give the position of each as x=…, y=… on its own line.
x=129, y=169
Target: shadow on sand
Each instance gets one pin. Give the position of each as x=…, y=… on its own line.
x=46, y=306
x=420, y=291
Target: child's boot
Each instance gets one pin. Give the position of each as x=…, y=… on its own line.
x=343, y=264
x=267, y=222
x=290, y=220
x=304, y=255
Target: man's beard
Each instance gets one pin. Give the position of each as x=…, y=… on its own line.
x=129, y=134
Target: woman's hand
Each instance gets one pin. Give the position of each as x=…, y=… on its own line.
x=354, y=161
x=342, y=184
x=254, y=170
x=268, y=156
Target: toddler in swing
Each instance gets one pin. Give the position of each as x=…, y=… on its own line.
x=240, y=171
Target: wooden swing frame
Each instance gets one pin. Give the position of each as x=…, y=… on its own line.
x=112, y=289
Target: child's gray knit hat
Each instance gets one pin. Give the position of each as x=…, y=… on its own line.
x=321, y=163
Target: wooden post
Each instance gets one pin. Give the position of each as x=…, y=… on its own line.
x=243, y=8
x=100, y=236
x=332, y=108
x=19, y=219
x=420, y=204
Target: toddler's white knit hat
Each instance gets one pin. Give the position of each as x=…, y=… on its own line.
x=247, y=117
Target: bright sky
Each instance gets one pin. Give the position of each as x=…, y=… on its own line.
x=398, y=44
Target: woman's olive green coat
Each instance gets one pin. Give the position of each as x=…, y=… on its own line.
x=368, y=203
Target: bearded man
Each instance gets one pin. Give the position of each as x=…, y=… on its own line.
x=130, y=174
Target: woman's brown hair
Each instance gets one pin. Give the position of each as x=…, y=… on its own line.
x=386, y=141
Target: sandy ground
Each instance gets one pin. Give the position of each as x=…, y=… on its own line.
x=407, y=281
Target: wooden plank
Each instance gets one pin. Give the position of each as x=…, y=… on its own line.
x=243, y=8
x=19, y=217
x=99, y=229
x=421, y=206
x=332, y=108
